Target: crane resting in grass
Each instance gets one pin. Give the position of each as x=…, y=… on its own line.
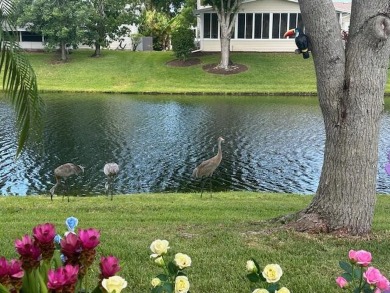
x=63, y=172
x=111, y=170
x=207, y=168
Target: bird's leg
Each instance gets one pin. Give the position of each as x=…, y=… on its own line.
x=202, y=182
x=211, y=187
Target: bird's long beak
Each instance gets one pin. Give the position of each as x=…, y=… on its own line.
x=289, y=33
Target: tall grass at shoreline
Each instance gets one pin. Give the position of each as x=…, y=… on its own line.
x=220, y=234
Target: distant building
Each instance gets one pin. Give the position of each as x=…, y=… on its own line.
x=259, y=27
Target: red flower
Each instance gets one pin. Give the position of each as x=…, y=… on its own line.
x=61, y=277
x=71, y=246
x=44, y=233
x=3, y=271
x=89, y=238
x=30, y=254
x=109, y=266
x=15, y=270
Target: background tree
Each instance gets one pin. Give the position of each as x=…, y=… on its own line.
x=19, y=80
x=157, y=25
x=350, y=85
x=106, y=22
x=227, y=12
x=62, y=22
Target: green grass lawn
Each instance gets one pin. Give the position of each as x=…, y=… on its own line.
x=220, y=234
x=147, y=72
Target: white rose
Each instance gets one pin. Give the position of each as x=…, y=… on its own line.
x=250, y=266
x=182, y=260
x=114, y=284
x=272, y=273
x=159, y=247
x=156, y=282
x=181, y=284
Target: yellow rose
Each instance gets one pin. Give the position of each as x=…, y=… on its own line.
x=250, y=266
x=156, y=282
x=159, y=247
x=114, y=284
x=260, y=291
x=283, y=290
x=181, y=284
x=272, y=273
x=182, y=260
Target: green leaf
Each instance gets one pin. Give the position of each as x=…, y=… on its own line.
x=346, y=266
x=347, y=277
x=97, y=290
x=3, y=289
x=168, y=287
x=273, y=287
x=357, y=273
x=172, y=269
x=42, y=285
x=256, y=264
x=253, y=277
x=163, y=277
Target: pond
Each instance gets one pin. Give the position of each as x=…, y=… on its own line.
x=271, y=144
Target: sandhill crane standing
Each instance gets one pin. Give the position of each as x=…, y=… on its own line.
x=63, y=172
x=111, y=170
x=207, y=168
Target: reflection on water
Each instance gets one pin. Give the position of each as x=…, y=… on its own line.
x=271, y=143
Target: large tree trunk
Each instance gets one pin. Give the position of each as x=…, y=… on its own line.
x=350, y=85
x=225, y=52
x=226, y=20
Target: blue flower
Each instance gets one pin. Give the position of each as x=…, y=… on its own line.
x=71, y=223
x=57, y=239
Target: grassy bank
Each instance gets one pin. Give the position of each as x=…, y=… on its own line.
x=146, y=72
x=219, y=233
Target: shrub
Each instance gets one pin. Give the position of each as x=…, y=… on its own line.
x=183, y=42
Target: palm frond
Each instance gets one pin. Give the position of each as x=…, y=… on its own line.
x=19, y=80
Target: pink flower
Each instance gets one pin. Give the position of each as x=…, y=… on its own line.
x=44, y=233
x=55, y=279
x=3, y=267
x=89, y=238
x=363, y=258
x=71, y=273
x=372, y=275
x=109, y=266
x=26, y=247
x=352, y=256
x=341, y=282
x=15, y=270
x=383, y=283
x=63, y=276
x=71, y=246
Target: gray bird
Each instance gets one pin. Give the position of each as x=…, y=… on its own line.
x=111, y=170
x=207, y=168
x=63, y=172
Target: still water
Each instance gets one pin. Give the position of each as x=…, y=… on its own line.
x=271, y=143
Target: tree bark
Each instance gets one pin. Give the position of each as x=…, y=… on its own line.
x=350, y=86
x=97, y=50
x=64, y=55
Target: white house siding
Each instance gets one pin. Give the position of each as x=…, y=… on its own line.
x=252, y=44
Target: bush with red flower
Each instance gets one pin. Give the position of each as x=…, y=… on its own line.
x=49, y=263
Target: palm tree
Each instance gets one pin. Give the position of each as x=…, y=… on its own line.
x=19, y=80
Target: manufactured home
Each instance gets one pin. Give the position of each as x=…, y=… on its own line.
x=259, y=26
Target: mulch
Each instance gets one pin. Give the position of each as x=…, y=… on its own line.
x=210, y=68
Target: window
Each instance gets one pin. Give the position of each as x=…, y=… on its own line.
x=210, y=28
x=253, y=25
x=296, y=21
x=31, y=37
x=279, y=25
